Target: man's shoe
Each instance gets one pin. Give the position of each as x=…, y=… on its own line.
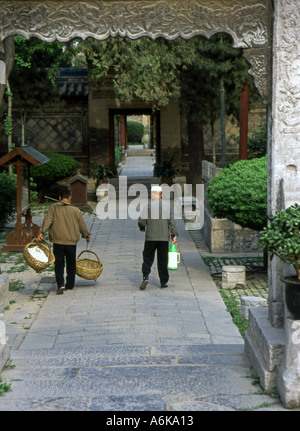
x=164, y=285
x=144, y=284
x=60, y=290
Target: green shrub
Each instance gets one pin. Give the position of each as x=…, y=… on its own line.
x=257, y=141
x=59, y=167
x=8, y=196
x=135, y=131
x=239, y=193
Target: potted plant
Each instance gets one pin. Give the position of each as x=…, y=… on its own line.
x=282, y=238
x=166, y=171
x=102, y=173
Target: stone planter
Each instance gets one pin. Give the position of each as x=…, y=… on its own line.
x=224, y=236
x=292, y=296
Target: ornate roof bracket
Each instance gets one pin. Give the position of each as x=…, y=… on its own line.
x=247, y=21
x=260, y=61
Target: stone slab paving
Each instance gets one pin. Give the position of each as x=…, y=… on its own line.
x=141, y=166
x=107, y=346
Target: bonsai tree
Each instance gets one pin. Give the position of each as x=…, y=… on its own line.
x=102, y=173
x=282, y=237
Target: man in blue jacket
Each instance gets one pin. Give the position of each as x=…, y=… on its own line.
x=157, y=221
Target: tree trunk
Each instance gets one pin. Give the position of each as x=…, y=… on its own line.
x=222, y=117
x=196, y=152
x=8, y=48
x=9, y=117
x=244, y=122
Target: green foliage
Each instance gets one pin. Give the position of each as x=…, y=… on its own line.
x=102, y=172
x=207, y=61
x=143, y=69
x=166, y=169
x=8, y=124
x=117, y=155
x=4, y=387
x=34, y=72
x=157, y=71
x=8, y=188
x=282, y=235
x=239, y=193
x=257, y=141
x=135, y=131
x=60, y=166
x=233, y=306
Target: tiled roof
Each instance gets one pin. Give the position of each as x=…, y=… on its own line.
x=72, y=81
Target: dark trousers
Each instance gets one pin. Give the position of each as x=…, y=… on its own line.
x=62, y=253
x=162, y=247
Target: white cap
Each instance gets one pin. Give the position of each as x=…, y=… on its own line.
x=156, y=189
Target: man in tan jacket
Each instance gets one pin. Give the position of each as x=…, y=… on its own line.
x=65, y=224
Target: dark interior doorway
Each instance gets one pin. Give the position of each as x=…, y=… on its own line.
x=118, y=131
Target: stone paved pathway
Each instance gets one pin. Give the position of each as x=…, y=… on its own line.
x=109, y=346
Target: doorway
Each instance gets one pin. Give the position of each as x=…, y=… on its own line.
x=146, y=145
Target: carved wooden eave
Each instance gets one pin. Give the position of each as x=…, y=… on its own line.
x=247, y=21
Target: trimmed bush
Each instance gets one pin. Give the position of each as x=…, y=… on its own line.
x=8, y=197
x=60, y=166
x=239, y=193
x=135, y=131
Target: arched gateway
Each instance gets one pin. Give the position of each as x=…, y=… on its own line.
x=269, y=34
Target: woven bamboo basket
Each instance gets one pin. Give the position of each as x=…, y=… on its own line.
x=88, y=268
x=32, y=261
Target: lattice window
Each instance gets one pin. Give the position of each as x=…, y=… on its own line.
x=54, y=134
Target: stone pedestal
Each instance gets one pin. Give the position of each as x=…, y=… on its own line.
x=233, y=275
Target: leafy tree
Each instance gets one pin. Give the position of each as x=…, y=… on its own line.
x=32, y=79
x=209, y=61
x=143, y=69
x=189, y=71
x=159, y=70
